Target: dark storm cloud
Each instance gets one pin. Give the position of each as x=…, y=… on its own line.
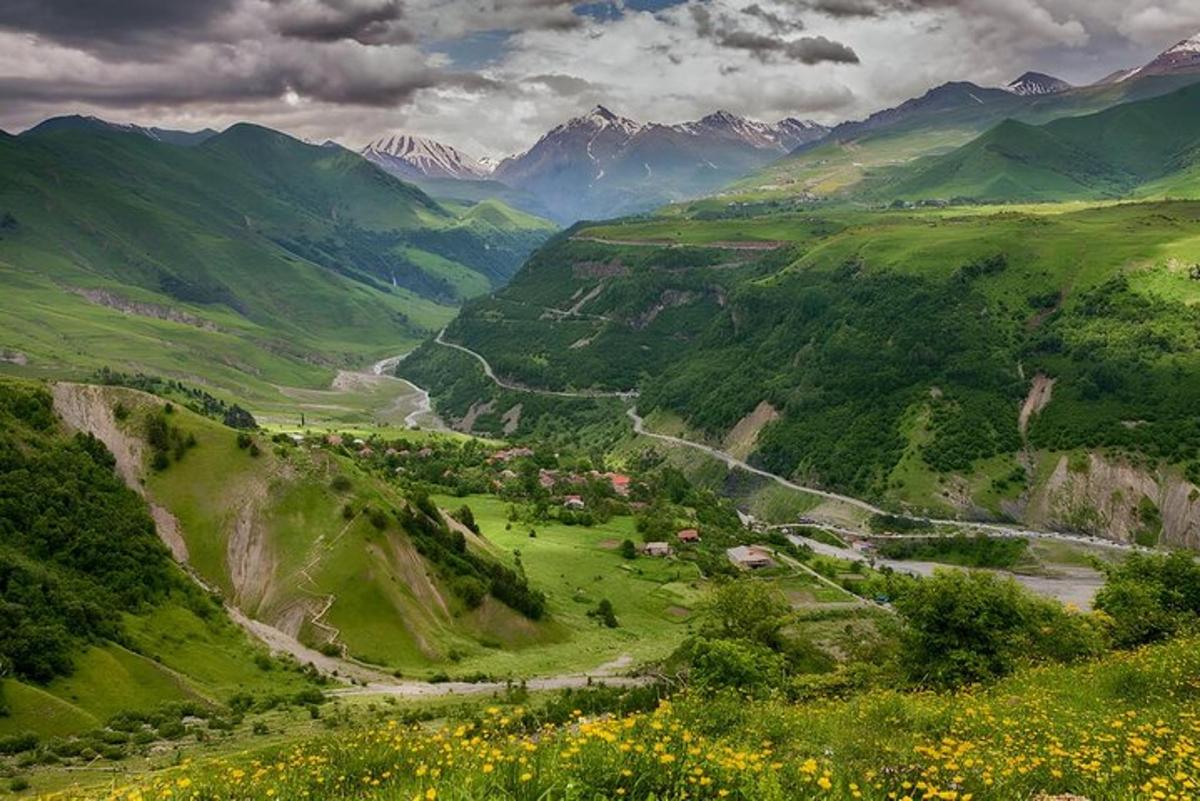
x=110, y=24
x=847, y=8
x=725, y=32
x=371, y=22
x=320, y=81
x=774, y=21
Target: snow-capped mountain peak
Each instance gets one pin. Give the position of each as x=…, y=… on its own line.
x=1183, y=57
x=409, y=156
x=1190, y=45
x=1038, y=83
x=600, y=118
x=784, y=135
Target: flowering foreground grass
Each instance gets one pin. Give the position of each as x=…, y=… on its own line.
x=1123, y=728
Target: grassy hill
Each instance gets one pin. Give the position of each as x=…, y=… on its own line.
x=1113, y=153
x=858, y=155
x=246, y=261
x=888, y=355
x=305, y=540
x=97, y=619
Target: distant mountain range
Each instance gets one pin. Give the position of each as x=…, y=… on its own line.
x=1145, y=147
x=856, y=156
x=602, y=164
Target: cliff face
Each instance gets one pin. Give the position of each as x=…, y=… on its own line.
x=1117, y=500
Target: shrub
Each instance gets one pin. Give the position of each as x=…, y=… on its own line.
x=965, y=627
x=605, y=614
x=730, y=663
x=1150, y=597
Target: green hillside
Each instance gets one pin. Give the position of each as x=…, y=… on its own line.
x=97, y=619
x=249, y=260
x=1113, y=153
x=888, y=355
x=308, y=541
x=860, y=155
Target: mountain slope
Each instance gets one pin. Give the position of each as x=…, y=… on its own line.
x=602, y=164
x=97, y=618
x=1107, y=154
x=301, y=538
x=248, y=258
x=888, y=355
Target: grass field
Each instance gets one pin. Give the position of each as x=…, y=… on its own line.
x=576, y=567
x=1115, y=729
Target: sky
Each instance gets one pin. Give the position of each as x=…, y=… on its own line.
x=491, y=76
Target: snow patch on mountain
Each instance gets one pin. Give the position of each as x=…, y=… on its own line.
x=408, y=156
x=1037, y=83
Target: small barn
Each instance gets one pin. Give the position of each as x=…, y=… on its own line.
x=657, y=549
x=751, y=557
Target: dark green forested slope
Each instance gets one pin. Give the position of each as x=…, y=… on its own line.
x=895, y=347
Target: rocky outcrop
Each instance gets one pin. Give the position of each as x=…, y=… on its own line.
x=1117, y=500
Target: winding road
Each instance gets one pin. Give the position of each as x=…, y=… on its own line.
x=639, y=427
x=503, y=384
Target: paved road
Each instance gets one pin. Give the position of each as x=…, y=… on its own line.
x=500, y=382
x=751, y=244
x=1070, y=585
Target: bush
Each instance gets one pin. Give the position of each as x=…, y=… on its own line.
x=18, y=743
x=1150, y=597
x=340, y=484
x=471, y=590
x=722, y=663
x=605, y=614
x=971, y=627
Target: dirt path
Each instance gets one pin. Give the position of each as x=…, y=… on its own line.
x=608, y=674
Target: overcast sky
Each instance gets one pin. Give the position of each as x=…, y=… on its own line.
x=490, y=76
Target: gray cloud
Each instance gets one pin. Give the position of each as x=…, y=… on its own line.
x=846, y=8
x=777, y=23
x=111, y=25
x=724, y=30
x=365, y=21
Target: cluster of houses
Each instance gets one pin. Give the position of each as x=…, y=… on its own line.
x=686, y=536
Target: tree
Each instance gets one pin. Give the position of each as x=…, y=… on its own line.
x=1150, y=597
x=746, y=609
x=605, y=613
x=629, y=550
